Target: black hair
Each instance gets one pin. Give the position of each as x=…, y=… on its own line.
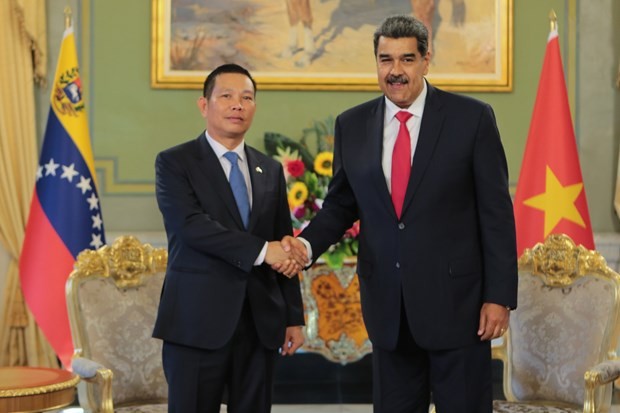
x=401, y=25
x=226, y=68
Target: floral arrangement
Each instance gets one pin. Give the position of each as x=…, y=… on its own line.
x=307, y=179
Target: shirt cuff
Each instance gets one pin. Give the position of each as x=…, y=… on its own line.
x=261, y=257
x=308, y=247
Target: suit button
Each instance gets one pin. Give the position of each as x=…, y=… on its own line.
x=398, y=265
x=401, y=225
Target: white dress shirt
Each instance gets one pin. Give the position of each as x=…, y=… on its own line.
x=390, y=131
x=220, y=150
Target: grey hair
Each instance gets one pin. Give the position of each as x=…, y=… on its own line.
x=401, y=25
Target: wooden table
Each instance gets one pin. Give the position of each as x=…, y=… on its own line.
x=35, y=389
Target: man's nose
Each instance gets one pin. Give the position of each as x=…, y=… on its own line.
x=396, y=69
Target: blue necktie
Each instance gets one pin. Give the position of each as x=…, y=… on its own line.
x=239, y=189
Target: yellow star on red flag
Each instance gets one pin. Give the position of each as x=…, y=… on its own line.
x=551, y=153
x=557, y=202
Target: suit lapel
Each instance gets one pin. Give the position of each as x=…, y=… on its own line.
x=258, y=176
x=374, y=128
x=212, y=168
x=430, y=129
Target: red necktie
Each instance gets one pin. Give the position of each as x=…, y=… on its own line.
x=401, y=162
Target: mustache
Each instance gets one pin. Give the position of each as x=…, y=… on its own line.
x=397, y=79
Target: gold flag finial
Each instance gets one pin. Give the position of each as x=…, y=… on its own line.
x=67, y=17
x=553, y=19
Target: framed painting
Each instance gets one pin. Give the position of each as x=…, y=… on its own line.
x=326, y=44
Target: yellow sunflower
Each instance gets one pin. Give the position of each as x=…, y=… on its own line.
x=323, y=163
x=297, y=194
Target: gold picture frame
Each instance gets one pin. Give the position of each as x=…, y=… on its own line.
x=473, y=42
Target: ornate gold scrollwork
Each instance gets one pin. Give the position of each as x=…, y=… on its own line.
x=558, y=261
x=126, y=261
x=334, y=324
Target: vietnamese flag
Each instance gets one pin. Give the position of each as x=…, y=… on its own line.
x=550, y=196
x=65, y=216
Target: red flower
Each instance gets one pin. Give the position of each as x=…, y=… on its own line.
x=353, y=231
x=295, y=168
x=314, y=207
x=299, y=212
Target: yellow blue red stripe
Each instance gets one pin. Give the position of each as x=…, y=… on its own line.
x=69, y=108
x=65, y=213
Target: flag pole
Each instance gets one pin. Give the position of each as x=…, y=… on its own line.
x=553, y=20
x=67, y=17
x=550, y=196
x=65, y=214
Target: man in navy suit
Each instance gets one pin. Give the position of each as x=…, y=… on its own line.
x=437, y=255
x=224, y=311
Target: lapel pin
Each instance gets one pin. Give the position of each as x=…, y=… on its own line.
x=259, y=170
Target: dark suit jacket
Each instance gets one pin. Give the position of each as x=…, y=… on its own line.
x=453, y=248
x=210, y=256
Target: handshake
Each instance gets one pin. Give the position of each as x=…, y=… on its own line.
x=288, y=256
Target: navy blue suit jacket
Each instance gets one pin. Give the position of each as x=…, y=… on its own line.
x=453, y=248
x=210, y=255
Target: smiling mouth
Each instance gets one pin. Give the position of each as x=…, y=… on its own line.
x=397, y=87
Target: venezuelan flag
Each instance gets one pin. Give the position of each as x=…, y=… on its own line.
x=65, y=216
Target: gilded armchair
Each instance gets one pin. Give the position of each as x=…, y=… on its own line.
x=112, y=298
x=559, y=351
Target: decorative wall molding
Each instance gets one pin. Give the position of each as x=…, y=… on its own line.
x=111, y=184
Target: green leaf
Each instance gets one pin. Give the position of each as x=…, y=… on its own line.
x=312, y=182
x=335, y=259
x=273, y=140
x=347, y=249
x=354, y=246
x=321, y=130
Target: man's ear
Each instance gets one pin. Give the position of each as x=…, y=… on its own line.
x=202, y=106
x=427, y=61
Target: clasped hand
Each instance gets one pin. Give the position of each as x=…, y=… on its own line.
x=288, y=256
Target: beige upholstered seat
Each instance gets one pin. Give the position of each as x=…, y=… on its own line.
x=560, y=348
x=112, y=298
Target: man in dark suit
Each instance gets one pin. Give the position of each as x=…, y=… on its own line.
x=224, y=312
x=437, y=255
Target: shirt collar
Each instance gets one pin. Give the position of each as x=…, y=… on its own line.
x=416, y=108
x=220, y=149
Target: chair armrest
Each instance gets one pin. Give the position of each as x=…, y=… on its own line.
x=93, y=372
x=601, y=374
